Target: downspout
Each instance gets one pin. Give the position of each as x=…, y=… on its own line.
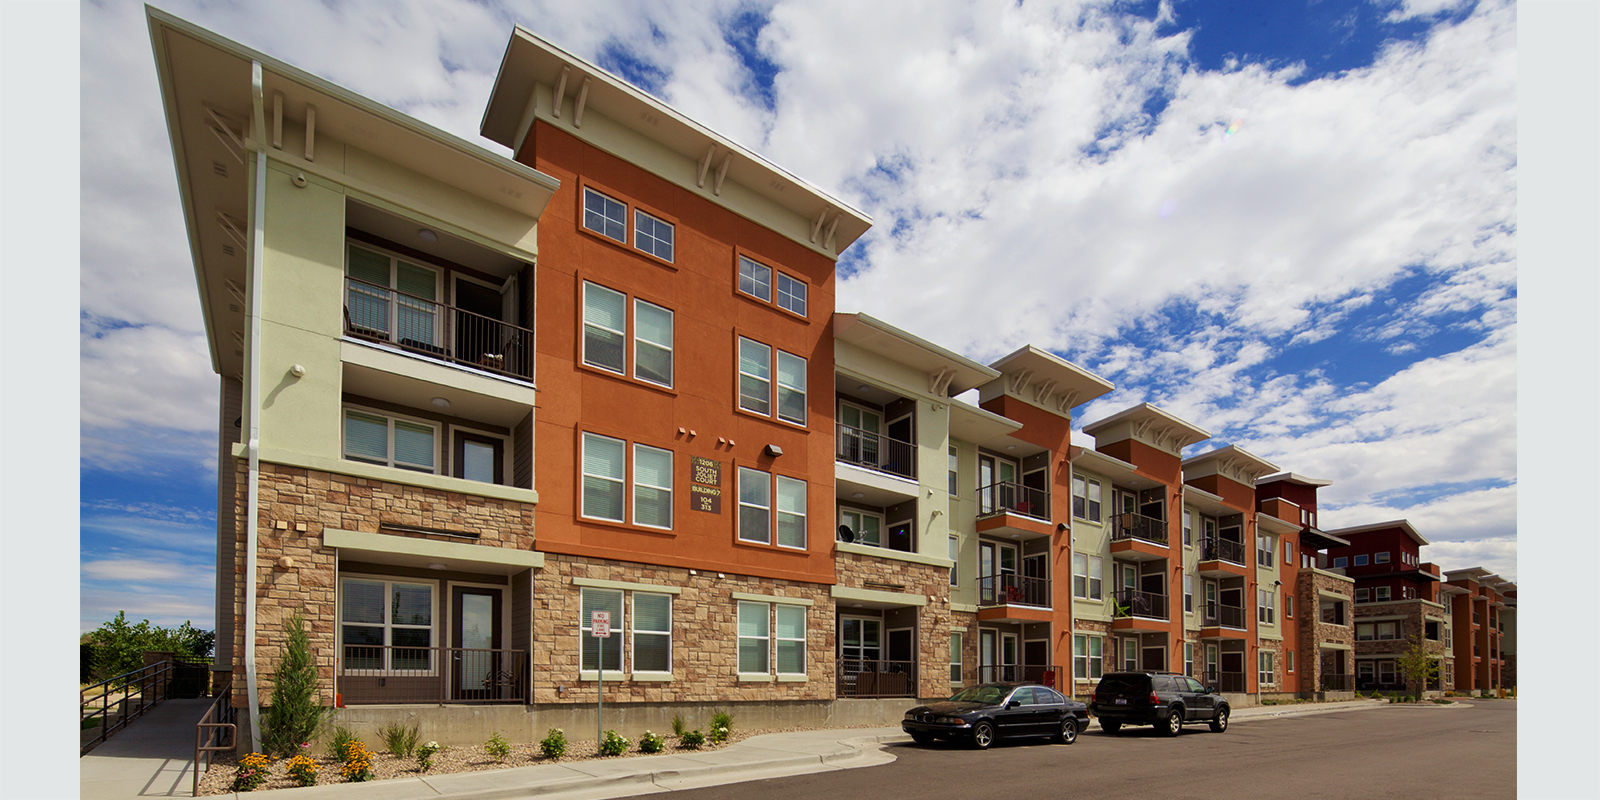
x=257, y=254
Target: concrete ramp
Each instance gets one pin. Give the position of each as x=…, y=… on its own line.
x=152, y=757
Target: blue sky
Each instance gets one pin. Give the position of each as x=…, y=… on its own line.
x=1291, y=223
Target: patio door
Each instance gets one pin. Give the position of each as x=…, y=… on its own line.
x=858, y=435
x=997, y=484
x=986, y=656
x=1008, y=657
x=997, y=569
x=1034, y=583
x=480, y=670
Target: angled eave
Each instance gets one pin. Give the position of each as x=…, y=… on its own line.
x=1290, y=477
x=1049, y=381
x=1207, y=503
x=1477, y=574
x=1314, y=539
x=1273, y=525
x=530, y=60
x=1399, y=524
x=970, y=423
x=951, y=373
x=1152, y=425
x=1232, y=462
x=216, y=121
x=1120, y=472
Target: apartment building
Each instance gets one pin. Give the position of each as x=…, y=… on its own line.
x=1482, y=650
x=1318, y=645
x=1397, y=600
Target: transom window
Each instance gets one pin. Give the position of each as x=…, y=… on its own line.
x=386, y=625
x=605, y=335
x=390, y=441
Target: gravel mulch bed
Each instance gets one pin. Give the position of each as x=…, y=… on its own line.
x=385, y=765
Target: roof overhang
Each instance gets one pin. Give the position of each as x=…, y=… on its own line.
x=1314, y=539
x=1478, y=574
x=1151, y=425
x=1290, y=477
x=1207, y=503
x=1398, y=524
x=949, y=372
x=530, y=60
x=1050, y=381
x=1232, y=462
x=1119, y=471
x=970, y=423
x=1276, y=526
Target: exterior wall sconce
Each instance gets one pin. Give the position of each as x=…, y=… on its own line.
x=773, y=450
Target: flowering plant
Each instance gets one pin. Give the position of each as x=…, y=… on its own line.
x=303, y=770
x=425, y=755
x=652, y=742
x=613, y=744
x=357, y=763
x=252, y=772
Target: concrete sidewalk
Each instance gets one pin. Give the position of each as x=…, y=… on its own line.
x=152, y=757
x=141, y=771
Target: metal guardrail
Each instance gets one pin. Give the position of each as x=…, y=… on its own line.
x=1338, y=683
x=1138, y=526
x=1134, y=603
x=215, y=733
x=437, y=330
x=1226, y=616
x=374, y=674
x=875, y=451
x=857, y=678
x=1225, y=681
x=1010, y=589
x=1014, y=498
x=1224, y=550
x=142, y=689
x=1046, y=674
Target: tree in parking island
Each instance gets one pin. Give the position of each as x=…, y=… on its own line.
x=1419, y=664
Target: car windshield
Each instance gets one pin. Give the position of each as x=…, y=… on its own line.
x=987, y=695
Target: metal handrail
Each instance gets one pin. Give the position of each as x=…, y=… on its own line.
x=371, y=674
x=438, y=330
x=1009, y=496
x=1224, y=550
x=1226, y=616
x=875, y=451
x=151, y=681
x=1134, y=603
x=1011, y=589
x=1225, y=681
x=1046, y=674
x=219, y=719
x=1138, y=526
x=874, y=678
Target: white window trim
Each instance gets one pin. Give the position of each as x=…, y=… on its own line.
x=1381, y=594
x=955, y=560
x=1094, y=513
x=583, y=474
x=778, y=512
x=778, y=387
x=623, y=333
x=630, y=657
x=777, y=293
x=395, y=258
x=1188, y=528
x=629, y=334
x=958, y=645
x=1381, y=557
x=805, y=629
x=739, y=611
x=740, y=503
x=670, y=346
x=739, y=275
x=435, y=627
x=450, y=448
x=738, y=388
x=389, y=418
x=857, y=528
x=617, y=625
x=634, y=485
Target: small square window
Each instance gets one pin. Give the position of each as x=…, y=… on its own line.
x=1340, y=562
x=1360, y=561
x=1381, y=558
x=755, y=279
x=605, y=216
x=791, y=294
x=652, y=235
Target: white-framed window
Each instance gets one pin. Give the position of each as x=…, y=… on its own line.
x=390, y=441
x=652, y=235
x=1188, y=528
x=1188, y=658
x=597, y=654
x=1364, y=632
x=1339, y=562
x=1266, y=606
x=605, y=335
x=652, y=486
x=651, y=626
x=1380, y=558
x=1364, y=670
x=1188, y=594
x=754, y=637
x=791, y=513
x=391, y=298
x=756, y=382
x=1288, y=554
x=957, y=642
x=1130, y=654
x=386, y=626
x=1087, y=575
x=1087, y=657
x=791, y=388
x=1380, y=593
x=1386, y=672
x=604, y=472
x=1085, y=498
x=1388, y=630
x=791, y=294
x=955, y=560
x=1288, y=605
x=1268, y=676
x=789, y=638
x=1288, y=661
x=867, y=527
x=755, y=507
x=1359, y=561
x=755, y=279
x=1264, y=549
x=604, y=215
x=953, y=461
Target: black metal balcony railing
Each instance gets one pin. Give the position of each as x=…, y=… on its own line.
x=1138, y=526
x=1014, y=498
x=1223, y=550
x=1011, y=589
x=1226, y=616
x=437, y=330
x=1338, y=683
x=1225, y=681
x=1046, y=674
x=856, y=678
x=875, y=451
x=385, y=674
x=1134, y=603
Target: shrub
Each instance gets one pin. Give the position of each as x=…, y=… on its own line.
x=721, y=726
x=425, y=755
x=691, y=740
x=342, y=737
x=1442, y=701
x=251, y=773
x=554, y=744
x=652, y=742
x=117, y=647
x=357, y=763
x=303, y=770
x=677, y=725
x=400, y=739
x=613, y=744
x=497, y=746
x=295, y=715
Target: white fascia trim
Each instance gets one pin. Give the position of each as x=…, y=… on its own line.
x=774, y=598
x=626, y=586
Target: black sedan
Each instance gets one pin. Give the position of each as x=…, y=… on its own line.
x=981, y=714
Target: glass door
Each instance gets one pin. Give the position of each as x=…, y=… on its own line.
x=1008, y=657
x=481, y=672
x=859, y=429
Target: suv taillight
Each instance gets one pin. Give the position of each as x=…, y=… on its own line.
x=1154, y=700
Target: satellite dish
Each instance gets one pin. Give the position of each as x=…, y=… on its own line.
x=846, y=535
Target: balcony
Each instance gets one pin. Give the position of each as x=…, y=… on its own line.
x=1225, y=681
x=371, y=674
x=1011, y=589
x=1137, y=537
x=437, y=330
x=1133, y=610
x=876, y=452
x=863, y=679
x=1221, y=621
x=1014, y=510
x=1338, y=683
x=1334, y=614
x=1222, y=558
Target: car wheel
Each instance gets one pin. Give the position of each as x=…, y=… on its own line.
x=983, y=735
x=1174, y=723
x=1219, y=723
x=1110, y=727
x=1069, y=732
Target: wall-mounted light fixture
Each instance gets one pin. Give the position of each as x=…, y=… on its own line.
x=773, y=450
x=427, y=236
x=441, y=402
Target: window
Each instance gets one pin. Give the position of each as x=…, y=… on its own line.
x=953, y=462
x=649, y=629
x=1130, y=655
x=652, y=487
x=1288, y=607
x=605, y=216
x=868, y=528
x=1361, y=595
x=755, y=279
x=955, y=559
x=1087, y=661
x=390, y=441
x=604, y=474
x=1288, y=661
x=1387, y=630
x=1339, y=563
x=1268, y=677
x=652, y=235
x=790, y=638
x=1364, y=671
x=389, y=298
x=1360, y=561
x=1086, y=498
x=1364, y=632
x=1188, y=528
x=957, y=639
x=598, y=654
x=1087, y=572
x=386, y=625
x=603, y=477
x=1188, y=594
x=1380, y=593
x=605, y=333
x=1266, y=606
x=1264, y=548
x=1380, y=558
x=1386, y=672
x=753, y=632
x=756, y=508
x=1288, y=557
x=791, y=388
x=791, y=294
x=755, y=382
x=1188, y=658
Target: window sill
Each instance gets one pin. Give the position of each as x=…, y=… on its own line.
x=594, y=369
x=773, y=418
x=626, y=526
x=793, y=678
x=651, y=677
x=746, y=677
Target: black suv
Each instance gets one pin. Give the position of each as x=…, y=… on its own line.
x=1166, y=700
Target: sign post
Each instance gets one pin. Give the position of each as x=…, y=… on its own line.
x=600, y=628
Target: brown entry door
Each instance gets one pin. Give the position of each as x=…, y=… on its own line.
x=478, y=670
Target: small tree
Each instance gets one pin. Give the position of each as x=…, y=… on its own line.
x=118, y=647
x=296, y=714
x=1419, y=663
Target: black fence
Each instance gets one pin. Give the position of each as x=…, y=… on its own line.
x=875, y=451
x=1138, y=526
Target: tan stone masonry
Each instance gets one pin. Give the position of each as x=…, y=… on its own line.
x=934, y=619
